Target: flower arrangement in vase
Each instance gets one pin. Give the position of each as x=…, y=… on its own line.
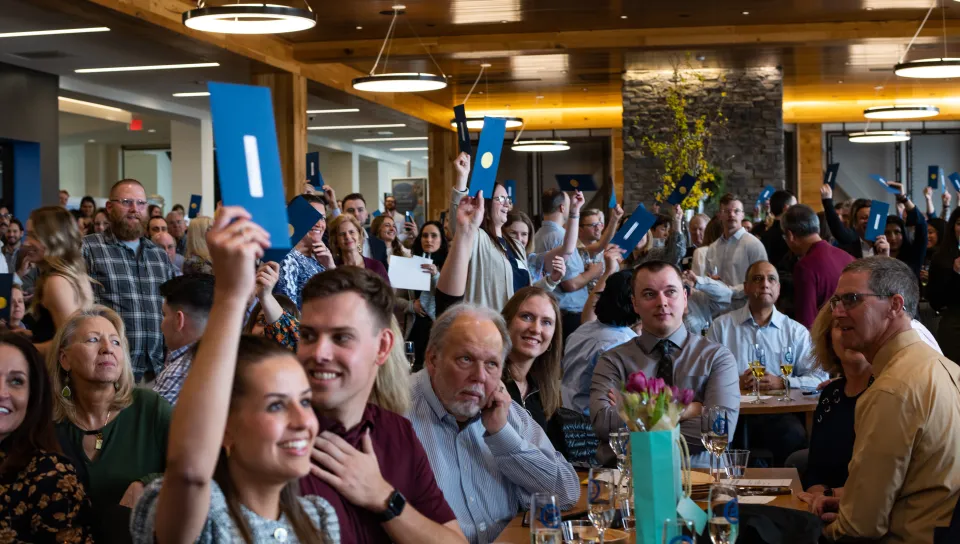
x=650, y=405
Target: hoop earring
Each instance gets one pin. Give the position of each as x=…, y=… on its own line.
x=65, y=392
x=116, y=386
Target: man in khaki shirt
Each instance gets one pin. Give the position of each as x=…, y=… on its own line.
x=905, y=473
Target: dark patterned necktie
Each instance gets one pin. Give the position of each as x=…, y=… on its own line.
x=665, y=362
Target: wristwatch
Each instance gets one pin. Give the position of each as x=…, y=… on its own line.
x=395, y=505
x=828, y=492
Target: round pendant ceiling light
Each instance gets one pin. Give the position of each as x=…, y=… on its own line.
x=399, y=82
x=941, y=68
x=259, y=18
x=541, y=146
x=901, y=112
x=879, y=136
x=476, y=123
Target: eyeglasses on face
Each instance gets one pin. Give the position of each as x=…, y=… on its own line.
x=591, y=225
x=128, y=202
x=850, y=301
x=504, y=200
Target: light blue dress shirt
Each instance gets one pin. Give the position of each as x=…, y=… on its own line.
x=580, y=355
x=709, y=299
x=738, y=331
x=485, y=478
x=733, y=256
x=549, y=237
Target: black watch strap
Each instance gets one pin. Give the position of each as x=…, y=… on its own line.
x=395, y=506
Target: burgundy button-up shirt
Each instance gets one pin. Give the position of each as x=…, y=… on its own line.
x=403, y=463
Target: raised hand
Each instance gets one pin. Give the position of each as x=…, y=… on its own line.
x=611, y=259
x=576, y=202
x=470, y=211
x=881, y=246
x=558, y=269
x=826, y=192
x=331, y=196
x=494, y=414
x=616, y=214
x=235, y=243
x=928, y=192
x=462, y=166
x=946, y=199
x=267, y=276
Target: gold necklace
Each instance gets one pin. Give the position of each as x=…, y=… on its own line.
x=99, y=433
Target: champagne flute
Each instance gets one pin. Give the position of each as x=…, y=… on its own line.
x=714, y=433
x=758, y=370
x=678, y=530
x=601, y=499
x=544, y=519
x=620, y=444
x=786, y=368
x=724, y=514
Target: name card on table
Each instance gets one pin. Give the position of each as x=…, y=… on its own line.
x=633, y=230
x=877, y=223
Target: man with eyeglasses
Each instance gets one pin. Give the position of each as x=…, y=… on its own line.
x=904, y=476
x=559, y=209
x=309, y=258
x=734, y=252
x=128, y=269
x=594, y=237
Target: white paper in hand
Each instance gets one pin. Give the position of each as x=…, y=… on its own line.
x=405, y=273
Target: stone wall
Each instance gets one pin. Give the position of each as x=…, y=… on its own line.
x=750, y=152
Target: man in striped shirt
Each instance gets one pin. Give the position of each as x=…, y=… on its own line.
x=488, y=454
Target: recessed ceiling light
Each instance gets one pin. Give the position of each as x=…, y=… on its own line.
x=356, y=127
x=399, y=139
x=91, y=104
x=485, y=65
x=151, y=130
x=91, y=141
x=342, y=110
x=385, y=132
x=145, y=68
x=398, y=6
x=359, y=28
x=746, y=13
x=840, y=81
x=53, y=32
x=409, y=148
x=503, y=22
x=191, y=95
x=623, y=16
x=878, y=88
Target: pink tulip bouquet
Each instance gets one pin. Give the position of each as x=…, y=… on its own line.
x=650, y=405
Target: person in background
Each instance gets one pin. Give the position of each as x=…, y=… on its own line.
x=945, y=203
x=406, y=230
x=64, y=198
x=384, y=228
x=816, y=273
x=747, y=225
x=849, y=236
x=265, y=316
x=177, y=228
x=308, y=258
x=697, y=227
x=372, y=248
x=11, y=243
x=114, y=432
x=242, y=438
x=902, y=246
x=488, y=453
x=594, y=237
x=368, y=462
x=707, y=299
x=711, y=234
x=561, y=212
x=154, y=211
x=169, y=246
x=178, y=208
x=759, y=323
x=346, y=241
x=101, y=221
x=432, y=244
x=88, y=206
x=831, y=441
x=670, y=248
x=773, y=239
x=733, y=253
x=186, y=307
x=943, y=289
x=43, y=501
x=904, y=476
x=613, y=326
x=936, y=229
x=665, y=350
x=520, y=228
x=156, y=225
x=18, y=309
x=196, y=259
x=127, y=270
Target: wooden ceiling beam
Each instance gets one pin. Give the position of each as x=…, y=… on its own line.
x=547, y=42
x=277, y=53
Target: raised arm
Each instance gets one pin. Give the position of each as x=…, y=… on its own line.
x=453, y=276
x=196, y=431
x=572, y=233
x=462, y=166
x=843, y=233
x=608, y=232
x=612, y=257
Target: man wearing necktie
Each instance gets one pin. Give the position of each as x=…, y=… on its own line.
x=665, y=350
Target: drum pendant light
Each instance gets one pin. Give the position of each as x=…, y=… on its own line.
x=249, y=18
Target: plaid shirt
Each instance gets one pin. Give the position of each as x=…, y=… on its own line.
x=130, y=284
x=170, y=381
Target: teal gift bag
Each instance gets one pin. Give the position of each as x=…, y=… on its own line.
x=656, y=474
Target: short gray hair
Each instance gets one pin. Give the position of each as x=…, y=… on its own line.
x=441, y=327
x=889, y=276
x=800, y=220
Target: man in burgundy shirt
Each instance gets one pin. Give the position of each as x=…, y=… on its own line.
x=367, y=460
x=816, y=274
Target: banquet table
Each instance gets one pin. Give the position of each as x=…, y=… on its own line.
x=516, y=533
x=799, y=403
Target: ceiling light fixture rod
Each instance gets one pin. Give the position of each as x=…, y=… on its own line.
x=425, y=48
x=517, y=139
x=393, y=23
x=909, y=45
x=482, y=66
x=943, y=20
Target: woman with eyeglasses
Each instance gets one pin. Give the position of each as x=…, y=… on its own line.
x=308, y=258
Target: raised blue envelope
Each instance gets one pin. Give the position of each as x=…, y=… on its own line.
x=303, y=216
x=879, y=179
x=613, y=199
x=830, y=175
x=6, y=296
x=955, y=180
x=683, y=189
x=766, y=194
x=488, y=156
x=463, y=134
x=194, y=209
x=877, y=223
x=576, y=182
x=633, y=230
x=248, y=158
x=934, y=176
x=313, y=170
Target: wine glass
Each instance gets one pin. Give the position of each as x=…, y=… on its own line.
x=544, y=519
x=411, y=353
x=758, y=370
x=678, y=530
x=724, y=514
x=715, y=433
x=786, y=368
x=620, y=444
x=627, y=516
x=601, y=499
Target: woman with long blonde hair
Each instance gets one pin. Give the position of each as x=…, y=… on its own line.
x=63, y=286
x=346, y=244
x=196, y=258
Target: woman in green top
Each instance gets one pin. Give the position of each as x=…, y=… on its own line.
x=115, y=432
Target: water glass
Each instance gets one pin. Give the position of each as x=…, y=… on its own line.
x=410, y=353
x=758, y=368
x=676, y=531
x=735, y=463
x=723, y=514
x=573, y=531
x=601, y=499
x=627, y=516
x=544, y=519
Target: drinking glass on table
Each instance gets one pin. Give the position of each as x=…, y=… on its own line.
x=735, y=463
x=411, y=353
x=678, y=530
x=758, y=370
x=786, y=368
x=573, y=531
x=627, y=515
x=601, y=499
x=714, y=433
x=724, y=514
x=544, y=519
x=620, y=444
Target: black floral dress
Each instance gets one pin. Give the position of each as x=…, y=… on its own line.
x=44, y=502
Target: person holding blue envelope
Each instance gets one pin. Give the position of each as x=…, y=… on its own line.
x=851, y=239
x=912, y=250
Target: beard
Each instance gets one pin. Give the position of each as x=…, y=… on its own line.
x=123, y=230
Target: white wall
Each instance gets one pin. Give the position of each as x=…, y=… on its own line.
x=387, y=172
x=102, y=168
x=857, y=162
x=340, y=170
x=942, y=150
x=369, y=183
x=192, y=167
x=72, y=171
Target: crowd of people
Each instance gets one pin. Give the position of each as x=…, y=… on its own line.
x=161, y=382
